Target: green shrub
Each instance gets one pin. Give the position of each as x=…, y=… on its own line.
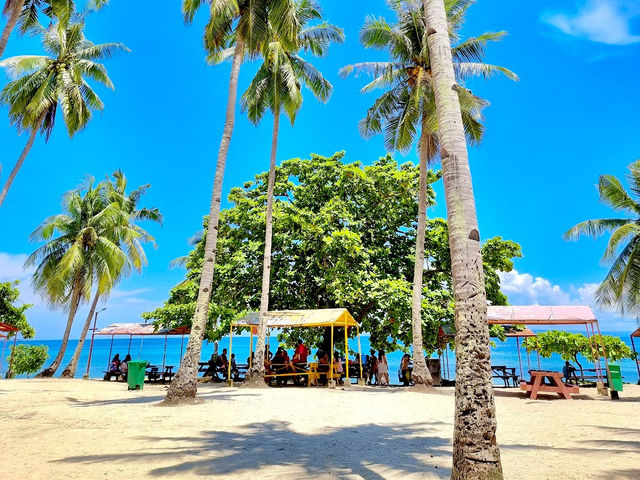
x=27, y=359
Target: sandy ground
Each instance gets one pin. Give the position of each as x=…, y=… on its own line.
x=60, y=429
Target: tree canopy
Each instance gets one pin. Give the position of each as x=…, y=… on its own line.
x=13, y=314
x=344, y=236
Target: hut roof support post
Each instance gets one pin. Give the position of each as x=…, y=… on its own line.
x=93, y=334
x=230, y=352
x=181, y=347
x=528, y=360
x=129, y=349
x=330, y=377
x=519, y=357
x=140, y=351
x=164, y=352
x=593, y=353
x=346, y=352
x=633, y=346
x=109, y=357
x=251, y=347
x=360, y=353
x=604, y=352
x=538, y=355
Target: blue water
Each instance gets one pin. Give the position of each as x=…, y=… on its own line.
x=151, y=349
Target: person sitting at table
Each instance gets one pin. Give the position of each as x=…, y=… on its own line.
x=223, y=362
x=405, y=369
x=569, y=372
x=300, y=355
x=323, y=366
x=212, y=368
x=383, y=369
x=115, y=363
x=234, y=367
x=124, y=366
x=339, y=370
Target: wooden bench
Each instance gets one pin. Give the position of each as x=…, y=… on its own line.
x=537, y=385
x=506, y=374
x=117, y=374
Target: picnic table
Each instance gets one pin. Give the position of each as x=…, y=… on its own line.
x=157, y=374
x=554, y=385
x=505, y=373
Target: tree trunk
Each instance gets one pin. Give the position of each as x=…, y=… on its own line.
x=255, y=377
x=70, y=369
x=50, y=371
x=185, y=384
x=19, y=163
x=475, y=451
x=11, y=24
x=420, y=374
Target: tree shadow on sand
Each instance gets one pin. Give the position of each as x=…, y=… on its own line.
x=367, y=451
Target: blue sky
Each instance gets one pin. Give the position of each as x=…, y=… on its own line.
x=572, y=117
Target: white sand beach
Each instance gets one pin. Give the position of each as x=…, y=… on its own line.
x=74, y=429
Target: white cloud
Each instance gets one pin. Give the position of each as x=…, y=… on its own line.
x=12, y=267
x=525, y=289
x=602, y=21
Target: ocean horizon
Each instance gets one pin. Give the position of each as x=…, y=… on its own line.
x=151, y=349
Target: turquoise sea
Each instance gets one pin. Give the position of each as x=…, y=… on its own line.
x=151, y=349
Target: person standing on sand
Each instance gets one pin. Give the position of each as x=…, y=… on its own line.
x=383, y=369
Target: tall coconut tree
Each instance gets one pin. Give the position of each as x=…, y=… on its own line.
x=475, y=450
x=44, y=83
x=277, y=87
x=81, y=250
x=129, y=237
x=621, y=287
x=406, y=110
x=241, y=27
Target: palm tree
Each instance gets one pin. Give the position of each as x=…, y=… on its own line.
x=277, y=87
x=408, y=106
x=475, y=450
x=44, y=83
x=25, y=15
x=81, y=249
x=621, y=286
x=241, y=26
x=129, y=237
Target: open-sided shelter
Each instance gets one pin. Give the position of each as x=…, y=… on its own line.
x=329, y=317
x=137, y=330
x=5, y=327
x=636, y=334
x=554, y=315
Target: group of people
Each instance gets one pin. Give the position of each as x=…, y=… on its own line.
x=377, y=369
x=118, y=367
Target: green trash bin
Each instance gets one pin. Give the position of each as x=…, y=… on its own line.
x=615, y=378
x=135, y=374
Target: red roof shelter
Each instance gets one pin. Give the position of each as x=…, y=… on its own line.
x=5, y=327
x=553, y=315
x=636, y=334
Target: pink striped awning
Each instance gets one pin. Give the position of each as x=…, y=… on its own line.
x=140, y=329
x=540, y=315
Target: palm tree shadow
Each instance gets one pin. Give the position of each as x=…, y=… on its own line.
x=366, y=451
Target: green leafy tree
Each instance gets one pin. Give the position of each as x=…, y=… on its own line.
x=277, y=87
x=343, y=237
x=621, y=286
x=13, y=314
x=130, y=239
x=241, y=26
x=408, y=106
x=45, y=83
x=572, y=346
x=26, y=359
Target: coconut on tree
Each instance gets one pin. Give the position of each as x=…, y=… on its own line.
x=241, y=27
x=277, y=87
x=407, y=110
x=60, y=81
x=129, y=237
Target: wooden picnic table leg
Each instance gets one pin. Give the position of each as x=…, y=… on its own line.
x=562, y=389
x=537, y=380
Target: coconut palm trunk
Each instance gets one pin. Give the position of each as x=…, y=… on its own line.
x=475, y=451
x=70, y=369
x=255, y=378
x=420, y=374
x=14, y=15
x=51, y=370
x=18, y=165
x=185, y=384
